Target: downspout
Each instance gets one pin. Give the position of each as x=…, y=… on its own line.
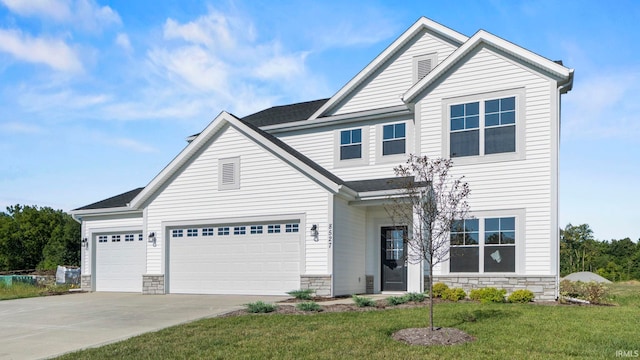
x=562, y=89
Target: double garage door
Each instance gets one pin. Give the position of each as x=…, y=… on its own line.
x=120, y=262
x=234, y=259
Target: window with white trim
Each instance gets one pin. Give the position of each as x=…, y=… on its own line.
x=239, y=230
x=291, y=228
x=129, y=237
x=192, y=232
x=176, y=233
x=351, y=144
x=483, y=245
x=256, y=229
x=229, y=173
x=115, y=238
x=223, y=230
x=483, y=127
x=273, y=229
x=207, y=231
x=394, y=139
x=103, y=238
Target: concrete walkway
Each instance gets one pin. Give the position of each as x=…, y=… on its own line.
x=44, y=327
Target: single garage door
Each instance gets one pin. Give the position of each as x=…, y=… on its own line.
x=255, y=259
x=120, y=262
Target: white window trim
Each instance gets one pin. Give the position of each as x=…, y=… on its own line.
x=364, y=160
x=520, y=216
x=408, y=145
x=236, y=173
x=416, y=59
x=519, y=154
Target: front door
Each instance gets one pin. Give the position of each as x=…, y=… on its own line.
x=394, y=259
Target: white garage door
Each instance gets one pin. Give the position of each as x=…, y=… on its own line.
x=120, y=262
x=261, y=259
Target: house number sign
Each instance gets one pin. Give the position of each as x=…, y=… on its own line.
x=330, y=235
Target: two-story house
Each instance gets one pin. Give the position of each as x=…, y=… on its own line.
x=293, y=196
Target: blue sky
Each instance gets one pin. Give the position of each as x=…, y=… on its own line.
x=97, y=97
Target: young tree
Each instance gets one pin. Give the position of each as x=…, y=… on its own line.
x=430, y=204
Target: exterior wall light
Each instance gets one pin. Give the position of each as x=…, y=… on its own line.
x=314, y=230
x=85, y=243
x=152, y=238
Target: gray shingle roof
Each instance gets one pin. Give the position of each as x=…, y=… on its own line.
x=113, y=202
x=284, y=113
x=379, y=184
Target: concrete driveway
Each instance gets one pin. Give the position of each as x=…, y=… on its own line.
x=48, y=326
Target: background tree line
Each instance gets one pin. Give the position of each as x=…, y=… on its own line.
x=37, y=238
x=616, y=260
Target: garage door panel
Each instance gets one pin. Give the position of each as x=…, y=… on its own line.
x=235, y=264
x=120, y=264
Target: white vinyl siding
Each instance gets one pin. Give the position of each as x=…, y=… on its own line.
x=385, y=89
x=192, y=195
x=319, y=146
x=93, y=225
x=349, y=249
x=504, y=184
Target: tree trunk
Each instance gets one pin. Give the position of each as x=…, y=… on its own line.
x=431, y=296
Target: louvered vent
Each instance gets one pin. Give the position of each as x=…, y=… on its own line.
x=424, y=67
x=228, y=174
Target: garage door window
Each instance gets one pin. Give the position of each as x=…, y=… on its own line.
x=256, y=229
x=129, y=237
x=273, y=229
x=223, y=231
x=239, y=230
x=139, y=237
x=115, y=238
x=207, y=232
x=192, y=232
x=102, y=238
x=292, y=228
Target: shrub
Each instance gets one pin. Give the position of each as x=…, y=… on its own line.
x=309, y=306
x=260, y=307
x=488, y=295
x=363, y=301
x=454, y=294
x=415, y=297
x=521, y=296
x=439, y=289
x=596, y=293
x=302, y=294
x=396, y=300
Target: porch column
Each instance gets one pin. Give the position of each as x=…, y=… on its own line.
x=415, y=272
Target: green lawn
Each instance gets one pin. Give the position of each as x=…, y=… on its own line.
x=21, y=290
x=503, y=331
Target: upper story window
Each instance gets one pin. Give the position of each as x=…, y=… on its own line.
x=351, y=144
x=483, y=127
x=394, y=139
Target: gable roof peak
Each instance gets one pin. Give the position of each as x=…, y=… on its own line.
x=414, y=30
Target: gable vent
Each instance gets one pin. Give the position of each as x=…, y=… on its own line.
x=229, y=173
x=424, y=67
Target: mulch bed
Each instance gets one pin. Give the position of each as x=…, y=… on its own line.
x=427, y=337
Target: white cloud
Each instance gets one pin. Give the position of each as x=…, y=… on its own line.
x=133, y=145
x=603, y=105
x=196, y=66
x=52, y=52
x=85, y=14
x=57, y=10
x=20, y=128
x=122, y=40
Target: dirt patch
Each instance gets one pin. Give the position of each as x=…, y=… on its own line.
x=427, y=337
